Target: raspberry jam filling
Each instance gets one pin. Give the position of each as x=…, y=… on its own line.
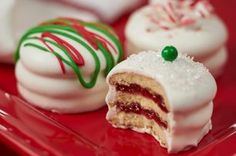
x=136, y=108
x=137, y=89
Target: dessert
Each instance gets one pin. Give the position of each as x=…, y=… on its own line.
x=62, y=64
x=17, y=16
x=167, y=97
x=191, y=26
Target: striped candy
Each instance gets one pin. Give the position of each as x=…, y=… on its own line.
x=179, y=12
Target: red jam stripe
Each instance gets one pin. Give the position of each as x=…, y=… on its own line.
x=136, y=108
x=137, y=89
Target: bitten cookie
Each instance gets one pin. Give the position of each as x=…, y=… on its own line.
x=164, y=95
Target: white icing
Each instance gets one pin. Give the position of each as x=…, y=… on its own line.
x=216, y=62
x=75, y=104
x=49, y=86
x=157, y=1
x=191, y=120
x=200, y=44
x=187, y=9
x=29, y=13
x=45, y=63
x=183, y=79
x=174, y=13
x=189, y=88
x=41, y=80
x=103, y=7
x=211, y=37
x=184, y=141
x=177, y=140
x=59, y=94
x=17, y=16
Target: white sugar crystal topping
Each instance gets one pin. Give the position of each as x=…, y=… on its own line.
x=187, y=83
x=182, y=73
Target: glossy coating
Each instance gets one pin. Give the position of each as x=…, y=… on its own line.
x=92, y=130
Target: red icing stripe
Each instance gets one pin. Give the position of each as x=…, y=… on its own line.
x=158, y=23
x=170, y=12
x=90, y=36
x=194, y=3
x=202, y=14
x=76, y=56
x=105, y=42
x=86, y=34
x=59, y=60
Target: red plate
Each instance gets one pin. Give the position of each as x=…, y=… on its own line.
x=32, y=131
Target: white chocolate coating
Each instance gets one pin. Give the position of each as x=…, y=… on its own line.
x=52, y=90
x=189, y=88
x=58, y=94
x=156, y=1
x=17, y=16
x=201, y=40
x=216, y=63
x=107, y=10
x=42, y=82
x=29, y=13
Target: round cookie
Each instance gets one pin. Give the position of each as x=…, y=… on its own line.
x=155, y=25
x=62, y=64
x=167, y=97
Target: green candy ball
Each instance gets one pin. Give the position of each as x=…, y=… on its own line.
x=169, y=53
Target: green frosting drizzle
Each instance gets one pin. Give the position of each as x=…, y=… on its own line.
x=65, y=27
